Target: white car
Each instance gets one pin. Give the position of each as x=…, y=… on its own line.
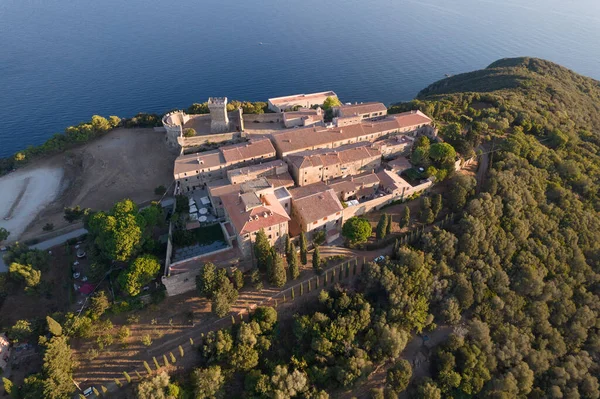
x=76, y=275
x=379, y=259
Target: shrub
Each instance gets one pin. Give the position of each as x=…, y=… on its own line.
x=160, y=190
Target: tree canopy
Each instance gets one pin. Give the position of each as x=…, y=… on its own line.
x=357, y=230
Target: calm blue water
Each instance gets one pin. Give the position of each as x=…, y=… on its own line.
x=63, y=60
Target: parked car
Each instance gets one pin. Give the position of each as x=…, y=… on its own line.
x=76, y=275
x=81, y=253
x=379, y=259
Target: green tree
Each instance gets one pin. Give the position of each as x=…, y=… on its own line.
x=443, y=154
x=429, y=390
x=99, y=304
x=357, y=230
x=142, y=271
x=206, y=281
x=303, y=249
x=32, y=388
x=331, y=102
x=398, y=376
x=316, y=260
x=53, y=326
x=405, y=218
x=436, y=204
x=154, y=388
x=238, y=279
x=189, y=132
x=3, y=234
x=388, y=229
x=224, y=296
x=278, y=275
x=9, y=388
x=119, y=235
x=293, y=262
x=287, y=245
x=262, y=250
x=20, y=331
x=382, y=226
x=461, y=187
x=57, y=369
x=208, y=383
x=28, y=274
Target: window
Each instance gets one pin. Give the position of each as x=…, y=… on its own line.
x=325, y=218
x=286, y=205
x=338, y=213
x=185, y=174
x=270, y=236
x=277, y=234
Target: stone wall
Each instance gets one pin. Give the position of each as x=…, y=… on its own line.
x=263, y=118
x=213, y=138
x=380, y=202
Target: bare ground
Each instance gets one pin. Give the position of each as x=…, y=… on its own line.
x=125, y=163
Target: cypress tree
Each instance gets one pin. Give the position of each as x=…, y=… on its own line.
x=382, y=226
x=316, y=260
x=147, y=366
x=156, y=362
x=278, y=275
x=301, y=289
x=436, y=204
x=405, y=219
x=181, y=352
x=127, y=377
x=165, y=361
x=287, y=245
x=117, y=382
x=293, y=295
x=388, y=229
x=303, y=249
x=262, y=250
x=293, y=263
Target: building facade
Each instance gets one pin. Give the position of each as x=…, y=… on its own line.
x=196, y=170
x=327, y=164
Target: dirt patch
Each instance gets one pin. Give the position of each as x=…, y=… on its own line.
x=25, y=193
x=125, y=163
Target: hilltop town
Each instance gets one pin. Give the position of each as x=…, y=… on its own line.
x=300, y=168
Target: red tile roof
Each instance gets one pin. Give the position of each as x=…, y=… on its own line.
x=294, y=140
x=247, y=220
x=360, y=109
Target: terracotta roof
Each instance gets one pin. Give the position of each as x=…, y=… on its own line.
x=224, y=156
x=254, y=148
x=400, y=163
x=193, y=162
x=262, y=167
x=293, y=140
x=317, y=206
x=282, y=180
x=368, y=179
x=333, y=156
x=362, y=108
x=304, y=191
x=263, y=212
x=391, y=181
x=412, y=118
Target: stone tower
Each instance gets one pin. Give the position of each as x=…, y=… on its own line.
x=219, y=120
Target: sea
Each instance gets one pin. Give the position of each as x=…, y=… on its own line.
x=62, y=61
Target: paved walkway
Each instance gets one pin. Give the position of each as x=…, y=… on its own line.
x=53, y=242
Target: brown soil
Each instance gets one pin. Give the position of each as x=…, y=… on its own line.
x=125, y=163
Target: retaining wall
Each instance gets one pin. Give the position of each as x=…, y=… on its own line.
x=378, y=203
x=263, y=118
x=213, y=138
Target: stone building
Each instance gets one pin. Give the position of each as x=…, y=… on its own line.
x=195, y=170
x=303, y=117
x=287, y=103
x=311, y=138
x=327, y=164
x=317, y=208
x=371, y=110
x=394, y=146
x=218, y=121
x=266, y=169
x=248, y=213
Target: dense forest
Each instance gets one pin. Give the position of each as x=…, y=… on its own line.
x=519, y=271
